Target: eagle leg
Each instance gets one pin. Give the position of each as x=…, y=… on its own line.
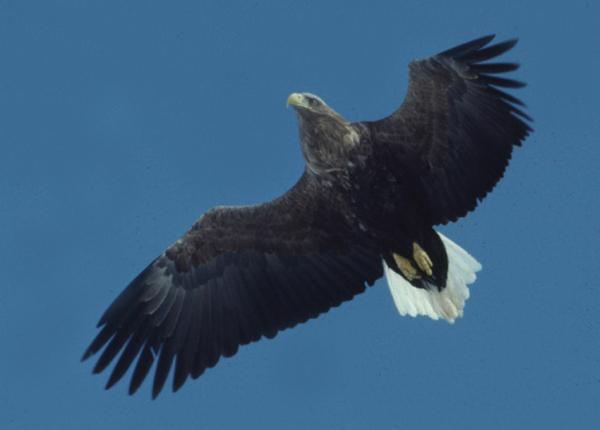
x=406, y=267
x=422, y=259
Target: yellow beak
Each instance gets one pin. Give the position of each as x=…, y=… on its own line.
x=296, y=99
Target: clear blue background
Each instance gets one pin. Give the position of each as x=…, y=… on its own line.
x=121, y=122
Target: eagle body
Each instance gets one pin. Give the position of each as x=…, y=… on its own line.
x=352, y=174
x=365, y=206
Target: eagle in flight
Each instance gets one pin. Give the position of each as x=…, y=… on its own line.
x=365, y=206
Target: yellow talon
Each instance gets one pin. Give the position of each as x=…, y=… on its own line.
x=422, y=259
x=406, y=267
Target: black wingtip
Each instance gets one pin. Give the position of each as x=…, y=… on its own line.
x=100, y=366
x=98, y=343
x=162, y=371
x=141, y=370
x=502, y=82
x=466, y=47
x=179, y=379
x=520, y=113
x=494, y=68
x=484, y=54
x=506, y=97
x=117, y=373
x=111, y=381
x=87, y=354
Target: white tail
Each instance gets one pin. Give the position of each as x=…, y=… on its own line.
x=448, y=303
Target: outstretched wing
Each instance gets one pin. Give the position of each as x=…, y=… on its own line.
x=238, y=274
x=455, y=131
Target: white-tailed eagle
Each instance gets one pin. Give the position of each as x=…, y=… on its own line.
x=366, y=205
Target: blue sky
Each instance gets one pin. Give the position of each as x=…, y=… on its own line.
x=123, y=121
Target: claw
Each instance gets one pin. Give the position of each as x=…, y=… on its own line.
x=406, y=267
x=422, y=259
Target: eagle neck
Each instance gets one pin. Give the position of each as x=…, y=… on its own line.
x=326, y=141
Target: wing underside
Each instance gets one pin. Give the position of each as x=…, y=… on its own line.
x=238, y=275
x=456, y=128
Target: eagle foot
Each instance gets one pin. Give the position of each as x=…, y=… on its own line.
x=406, y=267
x=422, y=259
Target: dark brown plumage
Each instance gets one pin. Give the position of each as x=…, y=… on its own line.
x=457, y=129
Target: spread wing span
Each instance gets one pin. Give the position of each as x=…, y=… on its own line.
x=456, y=128
x=240, y=273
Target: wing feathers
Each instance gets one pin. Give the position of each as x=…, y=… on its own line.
x=455, y=130
x=478, y=55
x=99, y=341
x=467, y=47
x=129, y=353
x=504, y=96
x=114, y=346
x=501, y=82
x=162, y=368
x=238, y=275
x=141, y=370
x=161, y=309
x=494, y=67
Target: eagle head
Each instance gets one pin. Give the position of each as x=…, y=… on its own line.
x=325, y=136
x=307, y=103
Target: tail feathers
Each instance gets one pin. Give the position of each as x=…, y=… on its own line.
x=448, y=303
